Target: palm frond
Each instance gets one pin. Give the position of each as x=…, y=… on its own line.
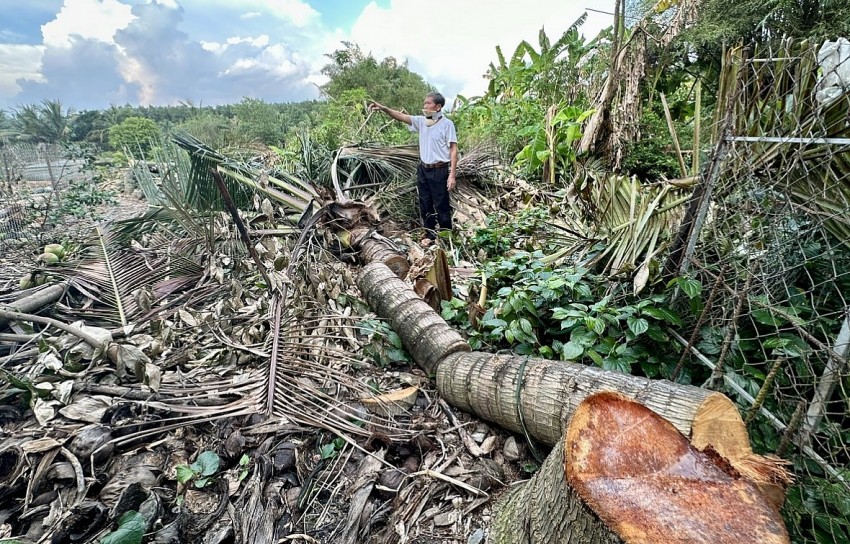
x=778, y=101
x=110, y=274
x=631, y=219
x=199, y=188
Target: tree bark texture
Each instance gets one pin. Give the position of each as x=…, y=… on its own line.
x=36, y=301
x=510, y=390
x=545, y=510
x=379, y=250
x=425, y=335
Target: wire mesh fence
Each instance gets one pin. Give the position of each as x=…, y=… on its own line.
x=772, y=248
x=33, y=178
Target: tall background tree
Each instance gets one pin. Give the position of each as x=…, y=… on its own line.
x=386, y=81
x=47, y=122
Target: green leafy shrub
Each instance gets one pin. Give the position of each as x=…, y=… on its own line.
x=135, y=134
x=505, y=232
x=384, y=345
x=564, y=313
x=653, y=156
x=81, y=200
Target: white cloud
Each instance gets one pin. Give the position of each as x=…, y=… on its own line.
x=19, y=62
x=260, y=41
x=92, y=19
x=298, y=12
x=158, y=51
x=216, y=47
x=452, y=49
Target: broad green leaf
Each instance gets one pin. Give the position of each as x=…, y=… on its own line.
x=766, y=318
x=774, y=343
x=327, y=451
x=394, y=339
x=691, y=287
x=594, y=324
x=207, y=463
x=663, y=313
x=597, y=359
x=637, y=325
x=131, y=529
x=583, y=337
x=572, y=351
x=184, y=474
x=494, y=323
x=616, y=364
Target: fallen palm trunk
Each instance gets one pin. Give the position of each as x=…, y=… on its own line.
x=377, y=249
x=510, y=390
x=426, y=335
x=621, y=473
x=539, y=397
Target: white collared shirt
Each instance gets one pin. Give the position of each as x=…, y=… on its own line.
x=434, y=141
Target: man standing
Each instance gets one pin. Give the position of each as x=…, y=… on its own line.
x=435, y=175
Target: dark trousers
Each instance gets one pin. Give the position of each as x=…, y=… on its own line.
x=434, y=205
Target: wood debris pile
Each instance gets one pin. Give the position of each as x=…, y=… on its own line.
x=159, y=386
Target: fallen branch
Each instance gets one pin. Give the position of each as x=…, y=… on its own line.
x=21, y=316
x=35, y=301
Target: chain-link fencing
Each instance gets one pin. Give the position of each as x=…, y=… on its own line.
x=770, y=241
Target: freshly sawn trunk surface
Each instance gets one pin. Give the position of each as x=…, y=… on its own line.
x=621, y=473
x=539, y=398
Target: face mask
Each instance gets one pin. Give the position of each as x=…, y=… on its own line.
x=431, y=117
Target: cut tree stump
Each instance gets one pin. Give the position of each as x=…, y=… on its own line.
x=622, y=473
x=540, y=398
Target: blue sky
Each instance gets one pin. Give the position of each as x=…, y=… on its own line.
x=90, y=54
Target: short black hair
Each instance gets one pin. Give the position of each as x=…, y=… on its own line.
x=438, y=99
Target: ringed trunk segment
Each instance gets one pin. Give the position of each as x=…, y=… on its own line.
x=426, y=335
x=510, y=390
x=538, y=397
x=377, y=250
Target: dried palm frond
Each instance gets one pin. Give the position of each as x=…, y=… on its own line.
x=632, y=220
x=110, y=274
x=382, y=163
x=308, y=341
x=311, y=386
x=481, y=163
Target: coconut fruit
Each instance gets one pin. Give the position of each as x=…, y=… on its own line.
x=25, y=282
x=56, y=249
x=48, y=258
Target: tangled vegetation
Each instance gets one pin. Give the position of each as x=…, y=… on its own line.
x=597, y=156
